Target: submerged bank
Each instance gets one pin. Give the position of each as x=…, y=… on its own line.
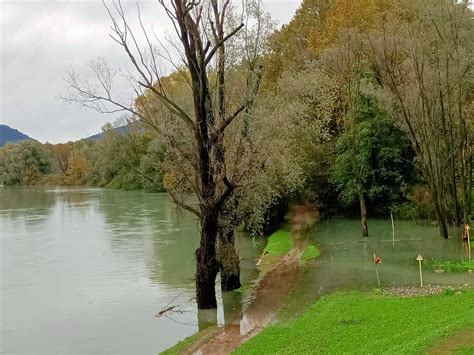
x=346, y=263
x=286, y=251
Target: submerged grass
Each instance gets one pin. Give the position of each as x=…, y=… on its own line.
x=368, y=323
x=310, y=253
x=449, y=265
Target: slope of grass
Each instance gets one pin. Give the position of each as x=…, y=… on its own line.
x=367, y=323
x=182, y=345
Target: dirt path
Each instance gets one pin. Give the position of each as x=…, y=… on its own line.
x=272, y=289
x=453, y=343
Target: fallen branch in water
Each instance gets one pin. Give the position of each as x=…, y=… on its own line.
x=164, y=310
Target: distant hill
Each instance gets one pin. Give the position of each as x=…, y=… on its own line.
x=120, y=130
x=8, y=134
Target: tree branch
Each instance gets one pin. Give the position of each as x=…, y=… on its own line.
x=221, y=42
x=184, y=206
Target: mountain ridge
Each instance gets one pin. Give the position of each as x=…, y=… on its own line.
x=12, y=135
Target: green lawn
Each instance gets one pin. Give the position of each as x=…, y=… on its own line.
x=368, y=323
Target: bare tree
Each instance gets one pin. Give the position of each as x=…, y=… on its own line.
x=192, y=120
x=425, y=68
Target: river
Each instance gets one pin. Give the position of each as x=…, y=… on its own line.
x=84, y=271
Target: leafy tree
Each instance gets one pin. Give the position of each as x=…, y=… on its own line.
x=371, y=159
x=23, y=163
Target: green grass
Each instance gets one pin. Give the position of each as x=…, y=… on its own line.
x=362, y=323
x=182, y=345
x=310, y=253
x=279, y=243
x=449, y=265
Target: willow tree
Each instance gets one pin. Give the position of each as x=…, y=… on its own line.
x=193, y=120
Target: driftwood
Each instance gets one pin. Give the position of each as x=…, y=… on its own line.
x=164, y=310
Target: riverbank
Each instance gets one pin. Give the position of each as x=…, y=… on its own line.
x=370, y=323
x=279, y=270
x=287, y=250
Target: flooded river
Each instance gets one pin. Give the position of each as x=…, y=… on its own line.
x=346, y=260
x=83, y=271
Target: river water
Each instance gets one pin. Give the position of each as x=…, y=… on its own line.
x=83, y=271
x=347, y=259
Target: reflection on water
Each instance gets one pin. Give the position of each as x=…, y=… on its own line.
x=346, y=261
x=85, y=270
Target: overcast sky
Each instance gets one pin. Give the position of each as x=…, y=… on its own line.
x=41, y=39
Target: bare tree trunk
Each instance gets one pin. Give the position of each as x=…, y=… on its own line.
x=363, y=215
x=465, y=185
x=207, y=266
x=229, y=261
x=469, y=191
x=440, y=216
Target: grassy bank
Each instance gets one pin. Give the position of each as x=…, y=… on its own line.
x=182, y=345
x=368, y=323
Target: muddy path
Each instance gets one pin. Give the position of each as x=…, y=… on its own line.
x=270, y=292
x=450, y=345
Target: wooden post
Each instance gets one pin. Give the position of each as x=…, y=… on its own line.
x=468, y=242
x=393, y=229
x=377, y=272
x=420, y=259
x=377, y=261
x=466, y=237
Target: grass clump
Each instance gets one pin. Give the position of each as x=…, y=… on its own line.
x=449, y=265
x=279, y=243
x=310, y=253
x=362, y=323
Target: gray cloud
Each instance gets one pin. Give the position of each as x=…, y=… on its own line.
x=41, y=39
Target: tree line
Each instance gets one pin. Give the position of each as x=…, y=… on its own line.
x=360, y=106
x=123, y=157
